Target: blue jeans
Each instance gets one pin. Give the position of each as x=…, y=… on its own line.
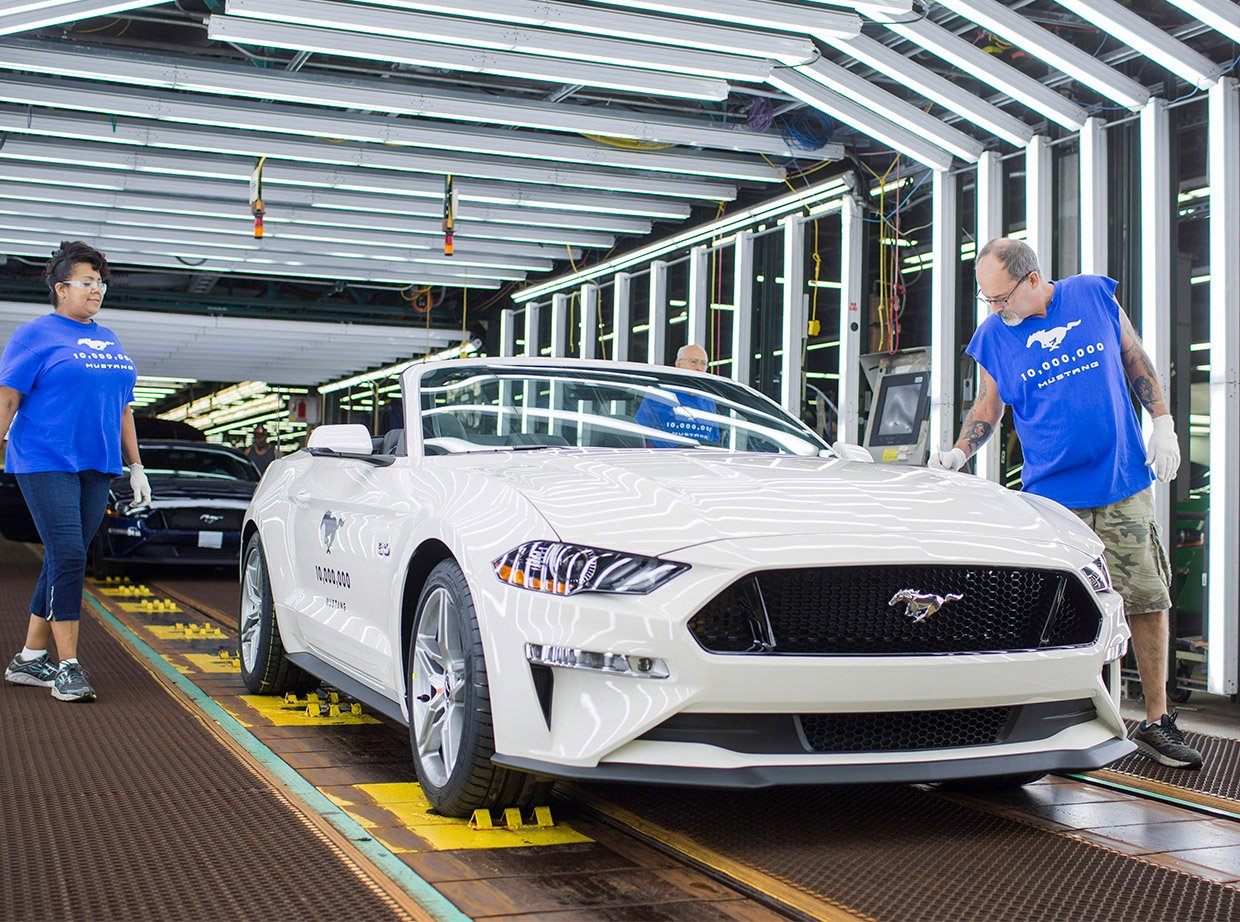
x=67, y=509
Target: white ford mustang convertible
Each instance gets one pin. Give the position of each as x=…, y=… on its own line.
x=598, y=570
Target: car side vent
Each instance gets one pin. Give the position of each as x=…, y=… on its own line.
x=544, y=684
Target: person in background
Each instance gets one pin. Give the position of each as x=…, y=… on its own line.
x=66, y=386
x=1063, y=354
x=678, y=418
x=261, y=451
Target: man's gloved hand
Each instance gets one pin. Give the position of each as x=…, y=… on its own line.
x=951, y=460
x=140, y=485
x=1162, y=454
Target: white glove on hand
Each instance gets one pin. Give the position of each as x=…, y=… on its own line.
x=951, y=460
x=140, y=485
x=1163, y=451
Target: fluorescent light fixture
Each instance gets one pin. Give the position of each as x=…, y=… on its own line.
x=876, y=9
x=902, y=139
x=22, y=17
x=471, y=34
x=469, y=347
x=646, y=28
x=853, y=87
x=793, y=201
x=468, y=60
x=1220, y=15
x=1003, y=77
x=927, y=83
x=1059, y=53
x=1147, y=38
x=277, y=118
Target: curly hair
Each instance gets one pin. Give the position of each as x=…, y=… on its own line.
x=70, y=254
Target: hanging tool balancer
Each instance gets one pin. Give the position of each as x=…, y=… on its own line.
x=449, y=214
x=256, y=198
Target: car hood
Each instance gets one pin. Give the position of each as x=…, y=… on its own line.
x=658, y=501
x=167, y=490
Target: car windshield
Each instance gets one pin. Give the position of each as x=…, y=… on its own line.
x=196, y=462
x=495, y=407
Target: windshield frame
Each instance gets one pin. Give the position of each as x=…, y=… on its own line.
x=414, y=389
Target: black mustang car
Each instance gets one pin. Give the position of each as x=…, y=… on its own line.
x=200, y=492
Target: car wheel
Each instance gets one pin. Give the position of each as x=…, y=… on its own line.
x=264, y=667
x=996, y=782
x=100, y=566
x=450, y=727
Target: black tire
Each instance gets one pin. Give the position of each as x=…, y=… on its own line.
x=473, y=782
x=100, y=566
x=995, y=783
x=270, y=672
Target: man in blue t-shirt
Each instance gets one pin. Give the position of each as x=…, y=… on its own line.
x=672, y=411
x=1063, y=354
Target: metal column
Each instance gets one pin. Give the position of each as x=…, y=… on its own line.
x=1038, y=214
x=621, y=317
x=1093, y=158
x=1223, y=537
x=559, y=325
x=943, y=327
x=656, y=336
x=852, y=319
x=699, y=295
x=791, y=388
x=1157, y=217
x=989, y=208
x=742, y=314
x=507, y=332
x=587, y=340
x=532, y=312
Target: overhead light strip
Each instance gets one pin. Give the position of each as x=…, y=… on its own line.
x=773, y=208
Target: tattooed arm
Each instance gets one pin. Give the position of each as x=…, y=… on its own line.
x=985, y=414
x=1139, y=369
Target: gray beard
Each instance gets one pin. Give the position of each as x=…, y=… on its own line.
x=1010, y=319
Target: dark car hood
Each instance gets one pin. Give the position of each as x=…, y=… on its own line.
x=165, y=489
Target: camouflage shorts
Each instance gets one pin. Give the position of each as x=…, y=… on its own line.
x=1134, y=551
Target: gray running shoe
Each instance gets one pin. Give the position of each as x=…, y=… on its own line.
x=1164, y=743
x=71, y=683
x=38, y=671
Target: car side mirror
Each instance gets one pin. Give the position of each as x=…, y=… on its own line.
x=847, y=452
x=345, y=438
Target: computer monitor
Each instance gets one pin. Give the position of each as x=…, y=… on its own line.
x=901, y=407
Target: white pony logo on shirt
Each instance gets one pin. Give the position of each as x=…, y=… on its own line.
x=1051, y=339
x=97, y=344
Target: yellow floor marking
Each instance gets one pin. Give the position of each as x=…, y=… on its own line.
x=410, y=810
x=126, y=592
x=151, y=607
x=202, y=631
x=209, y=662
x=283, y=714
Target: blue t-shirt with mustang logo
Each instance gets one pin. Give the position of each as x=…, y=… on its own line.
x=1063, y=377
x=76, y=381
x=672, y=411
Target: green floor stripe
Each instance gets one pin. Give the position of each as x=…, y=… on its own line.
x=427, y=896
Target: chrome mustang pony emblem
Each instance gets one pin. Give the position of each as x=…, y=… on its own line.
x=921, y=605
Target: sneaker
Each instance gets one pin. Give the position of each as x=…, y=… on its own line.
x=1164, y=743
x=38, y=671
x=71, y=683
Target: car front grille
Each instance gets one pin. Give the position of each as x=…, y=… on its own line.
x=900, y=731
x=847, y=611
x=191, y=519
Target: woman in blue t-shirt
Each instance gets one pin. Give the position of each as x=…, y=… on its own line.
x=65, y=389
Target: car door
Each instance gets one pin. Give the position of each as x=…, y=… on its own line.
x=346, y=516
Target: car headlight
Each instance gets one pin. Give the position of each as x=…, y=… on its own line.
x=567, y=569
x=1097, y=575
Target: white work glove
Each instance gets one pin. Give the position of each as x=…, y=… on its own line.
x=141, y=487
x=951, y=460
x=1162, y=454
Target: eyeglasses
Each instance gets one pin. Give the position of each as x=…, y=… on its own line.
x=1007, y=297
x=87, y=283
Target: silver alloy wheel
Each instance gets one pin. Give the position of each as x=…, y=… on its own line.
x=438, y=686
x=251, y=607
